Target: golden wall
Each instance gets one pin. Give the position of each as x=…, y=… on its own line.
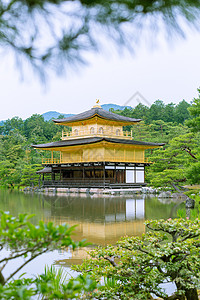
x=100, y=152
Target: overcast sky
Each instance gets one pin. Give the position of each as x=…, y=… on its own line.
x=167, y=72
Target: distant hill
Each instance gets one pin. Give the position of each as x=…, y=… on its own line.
x=114, y=106
x=54, y=114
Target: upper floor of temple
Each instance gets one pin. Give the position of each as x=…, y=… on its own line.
x=96, y=122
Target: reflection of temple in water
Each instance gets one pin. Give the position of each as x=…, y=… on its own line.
x=100, y=220
x=103, y=220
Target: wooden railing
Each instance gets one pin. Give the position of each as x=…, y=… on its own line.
x=76, y=182
x=86, y=133
x=51, y=161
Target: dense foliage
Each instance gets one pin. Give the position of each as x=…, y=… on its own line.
x=19, y=238
x=178, y=162
x=139, y=267
x=54, y=33
x=18, y=160
x=23, y=239
x=159, y=111
x=178, y=126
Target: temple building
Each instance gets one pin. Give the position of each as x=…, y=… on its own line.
x=96, y=152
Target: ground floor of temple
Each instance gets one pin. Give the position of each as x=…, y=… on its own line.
x=93, y=174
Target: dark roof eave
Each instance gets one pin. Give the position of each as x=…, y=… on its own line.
x=45, y=170
x=97, y=112
x=85, y=141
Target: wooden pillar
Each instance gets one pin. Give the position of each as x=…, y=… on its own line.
x=135, y=174
x=39, y=180
x=115, y=175
x=52, y=156
x=104, y=174
x=83, y=173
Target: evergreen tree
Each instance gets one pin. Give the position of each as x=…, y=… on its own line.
x=141, y=111
x=169, y=113
x=182, y=112
x=156, y=111
x=170, y=164
x=194, y=111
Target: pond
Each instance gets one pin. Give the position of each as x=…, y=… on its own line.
x=101, y=220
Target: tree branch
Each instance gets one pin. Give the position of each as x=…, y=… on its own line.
x=3, y=266
x=190, y=236
x=188, y=150
x=26, y=262
x=111, y=260
x=23, y=253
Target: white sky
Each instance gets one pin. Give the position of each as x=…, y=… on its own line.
x=169, y=73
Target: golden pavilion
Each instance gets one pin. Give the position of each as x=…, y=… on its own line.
x=96, y=152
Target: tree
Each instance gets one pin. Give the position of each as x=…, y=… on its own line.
x=193, y=173
x=170, y=164
x=12, y=124
x=194, y=111
x=7, y=170
x=141, y=111
x=169, y=112
x=34, y=128
x=12, y=147
x=37, y=130
x=23, y=239
x=137, y=266
x=182, y=112
x=68, y=29
x=29, y=177
x=156, y=110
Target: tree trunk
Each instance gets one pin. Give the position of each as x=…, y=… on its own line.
x=191, y=294
x=175, y=187
x=2, y=279
x=175, y=297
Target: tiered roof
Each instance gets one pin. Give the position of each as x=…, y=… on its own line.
x=96, y=111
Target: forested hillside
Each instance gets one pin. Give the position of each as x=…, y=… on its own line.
x=176, y=125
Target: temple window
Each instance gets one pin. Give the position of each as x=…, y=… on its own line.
x=92, y=130
x=76, y=132
x=101, y=130
x=117, y=132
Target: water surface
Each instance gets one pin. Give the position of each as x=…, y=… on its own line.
x=101, y=220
